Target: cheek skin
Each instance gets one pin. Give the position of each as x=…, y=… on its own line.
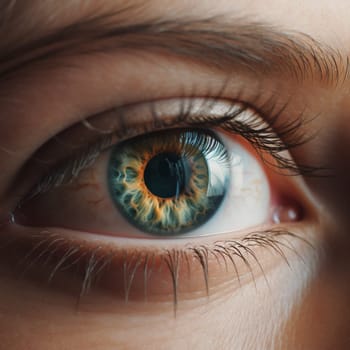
x=321, y=319
x=225, y=322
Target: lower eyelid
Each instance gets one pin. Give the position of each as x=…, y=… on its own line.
x=64, y=261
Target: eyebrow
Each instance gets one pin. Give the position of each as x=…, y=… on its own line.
x=215, y=42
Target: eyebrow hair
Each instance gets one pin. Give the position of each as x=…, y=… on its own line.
x=215, y=42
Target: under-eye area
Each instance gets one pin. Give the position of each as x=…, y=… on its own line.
x=95, y=272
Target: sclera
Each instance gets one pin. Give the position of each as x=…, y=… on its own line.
x=248, y=198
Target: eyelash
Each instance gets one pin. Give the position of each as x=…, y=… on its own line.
x=65, y=254
x=260, y=134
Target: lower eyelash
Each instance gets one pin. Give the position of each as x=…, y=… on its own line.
x=61, y=254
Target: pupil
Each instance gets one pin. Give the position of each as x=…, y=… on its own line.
x=166, y=175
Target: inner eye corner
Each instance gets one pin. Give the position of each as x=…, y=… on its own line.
x=289, y=202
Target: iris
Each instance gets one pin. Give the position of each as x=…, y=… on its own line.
x=170, y=182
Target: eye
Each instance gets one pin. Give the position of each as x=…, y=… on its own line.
x=177, y=182
x=171, y=188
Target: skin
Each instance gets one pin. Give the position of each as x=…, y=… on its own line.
x=297, y=306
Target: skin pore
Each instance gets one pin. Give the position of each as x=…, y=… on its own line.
x=291, y=295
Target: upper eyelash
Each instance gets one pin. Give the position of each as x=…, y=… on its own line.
x=260, y=132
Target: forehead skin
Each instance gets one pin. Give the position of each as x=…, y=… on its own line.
x=317, y=322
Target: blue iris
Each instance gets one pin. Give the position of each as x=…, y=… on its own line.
x=169, y=182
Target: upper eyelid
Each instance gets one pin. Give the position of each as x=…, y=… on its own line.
x=78, y=161
x=67, y=79
x=240, y=89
